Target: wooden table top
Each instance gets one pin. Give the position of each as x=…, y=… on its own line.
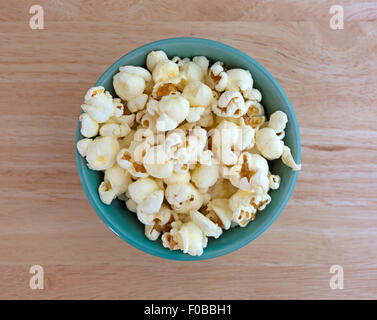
x=330, y=77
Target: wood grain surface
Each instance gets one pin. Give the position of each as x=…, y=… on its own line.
x=330, y=77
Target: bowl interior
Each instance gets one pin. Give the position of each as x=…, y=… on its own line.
x=126, y=225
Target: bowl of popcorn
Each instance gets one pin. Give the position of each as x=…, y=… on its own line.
x=187, y=148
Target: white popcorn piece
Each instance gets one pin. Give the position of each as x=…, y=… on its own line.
x=137, y=103
x=148, y=198
x=208, y=227
x=288, y=159
x=146, y=120
x=147, y=209
x=166, y=88
x=151, y=233
x=165, y=70
x=174, y=140
x=139, y=150
x=164, y=218
x=250, y=173
x=247, y=136
x=181, y=168
x=255, y=108
x=218, y=76
x=139, y=119
x=124, y=158
x=261, y=201
x=102, y=153
x=129, y=159
x=239, y=80
x=177, y=60
x=175, y=148
x=203, y=63
x=195, y=144
x=205, y=158
x=152, y=107
x=172, y=111
x=176, y=107
x=243, y=211
x=119, y=107
x=180, y=62
x=198, y=94
x=89, y=127
x=118, y=179
x=230, y=104
x=245, y=205
x=183, y=198
x=116, y=182
x=137, y=71
x=154, y=57
x=92, y=92
x=253, y=94
x=169, y=242
x=274, y=181
x=114, y=130
x=143, y=134
x=241, y=197
x=190, y=239
x=165, y=123
x=137, y=170
x=190, y=71
x=106, y=193
x=82, y=146
x=205, y=176
x=157, y=162
x=128, y=85
x=220, y=213
x=269, y=144
x=99, y=104
x=223, y=141
x=254, y=115
x=164, y=221
x=278, y=121
x=141, y=189
x=227, y=142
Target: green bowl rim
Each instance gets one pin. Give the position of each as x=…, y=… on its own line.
x=93, y=198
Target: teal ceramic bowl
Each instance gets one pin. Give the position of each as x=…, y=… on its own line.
x=125, y=224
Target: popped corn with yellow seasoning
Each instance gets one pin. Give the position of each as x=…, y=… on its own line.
x=185, y=144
